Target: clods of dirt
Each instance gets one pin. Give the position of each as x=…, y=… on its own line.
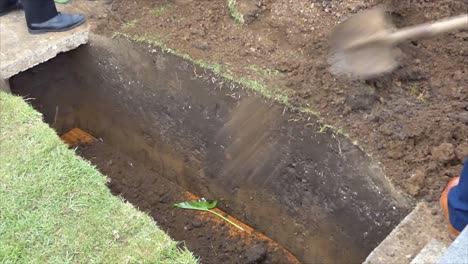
x=443, y=153
x=249, y=10
x=256, y=254
x=415, y=183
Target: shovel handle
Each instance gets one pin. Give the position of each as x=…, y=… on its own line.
x=412, y=33
x=429, y=29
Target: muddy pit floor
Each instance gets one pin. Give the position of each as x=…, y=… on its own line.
x=414, y=120
x=152, y=193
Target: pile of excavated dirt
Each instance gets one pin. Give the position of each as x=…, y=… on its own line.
x=414, y=120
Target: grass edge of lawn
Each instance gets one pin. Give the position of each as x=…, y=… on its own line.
x=56, y=207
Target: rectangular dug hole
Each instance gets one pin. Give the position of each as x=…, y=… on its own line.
x=313, y=192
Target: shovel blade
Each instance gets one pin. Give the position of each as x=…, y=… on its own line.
x=363, y=61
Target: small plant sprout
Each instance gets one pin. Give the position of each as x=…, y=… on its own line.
x=203, y=205
x=234, y=12
x=158, y=11
x=130, y=24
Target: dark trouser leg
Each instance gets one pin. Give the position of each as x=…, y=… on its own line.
x=5, y=3
x=7, y=6
x=38, y=11
x=458, y=201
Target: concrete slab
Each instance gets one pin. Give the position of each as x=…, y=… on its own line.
x=20, y=50
x=403, y=244
x=458, y=251
x=431, y=253
x=5, y=85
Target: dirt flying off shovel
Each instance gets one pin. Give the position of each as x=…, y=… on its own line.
x=364, y=45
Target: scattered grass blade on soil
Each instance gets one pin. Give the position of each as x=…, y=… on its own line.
x=202, y=205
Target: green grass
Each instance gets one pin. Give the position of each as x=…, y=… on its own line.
x=417, y=92
x=266, y=72
x=55, y=207
x=158, y=11
x=414, y=90
x=235, y=14
x=130, y=24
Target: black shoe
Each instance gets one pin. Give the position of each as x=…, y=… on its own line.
x=12, y=6
x=61, y=22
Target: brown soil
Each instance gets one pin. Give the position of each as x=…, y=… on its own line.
x=143, y=186
x=414, y=120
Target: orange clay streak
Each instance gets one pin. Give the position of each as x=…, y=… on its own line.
x=249, y=235
x=77, y=136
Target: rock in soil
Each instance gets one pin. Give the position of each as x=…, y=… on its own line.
x=249, y=9
x=462, y=151
x=197, y=223
x=201, y=45
x=461, y=117
x=361, y=102
x=443, y=153
x=256, y=254
x=415, y=183
x=166, y=197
